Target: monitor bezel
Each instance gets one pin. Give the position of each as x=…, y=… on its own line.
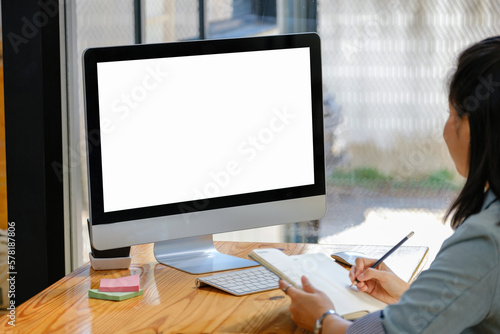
x=93, y=56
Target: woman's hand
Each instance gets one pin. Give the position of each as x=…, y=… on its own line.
x=380, y=282
x=308, y=305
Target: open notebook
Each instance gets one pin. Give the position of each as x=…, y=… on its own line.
x=407, y=261
x=324, y=274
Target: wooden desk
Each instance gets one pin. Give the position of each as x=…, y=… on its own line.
x=170, y=304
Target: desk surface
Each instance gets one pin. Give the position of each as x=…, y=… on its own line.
x=170, y=304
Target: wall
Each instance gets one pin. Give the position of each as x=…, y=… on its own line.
x=3, y=174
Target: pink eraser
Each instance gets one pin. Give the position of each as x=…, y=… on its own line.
x=121, y=284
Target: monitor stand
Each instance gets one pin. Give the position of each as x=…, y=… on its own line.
x=197, y=255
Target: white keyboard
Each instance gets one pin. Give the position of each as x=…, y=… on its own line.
x=242, y=282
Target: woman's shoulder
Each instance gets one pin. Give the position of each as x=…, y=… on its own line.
x=485, y=221
x=481, y=230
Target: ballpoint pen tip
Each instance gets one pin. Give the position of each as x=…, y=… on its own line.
x=410, y=235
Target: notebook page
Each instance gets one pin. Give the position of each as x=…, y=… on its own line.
x=329, y=277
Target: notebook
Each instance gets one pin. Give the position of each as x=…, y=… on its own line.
x=325, y=274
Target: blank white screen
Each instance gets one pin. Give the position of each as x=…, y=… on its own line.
x=188, y=128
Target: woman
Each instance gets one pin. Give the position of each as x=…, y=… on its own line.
x=460, y=292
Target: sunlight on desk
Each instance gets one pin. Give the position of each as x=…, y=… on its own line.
x=384, y=226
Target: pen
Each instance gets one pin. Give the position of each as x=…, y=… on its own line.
x=379, y=261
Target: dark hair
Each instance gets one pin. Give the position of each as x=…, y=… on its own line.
x=474, y=91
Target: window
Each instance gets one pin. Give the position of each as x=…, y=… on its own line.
x=384, y=68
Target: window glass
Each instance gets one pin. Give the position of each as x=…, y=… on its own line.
x=385, y=65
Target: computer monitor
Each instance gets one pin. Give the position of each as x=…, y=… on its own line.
x=189, y=139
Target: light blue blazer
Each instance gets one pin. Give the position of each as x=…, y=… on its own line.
x=460, y=292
